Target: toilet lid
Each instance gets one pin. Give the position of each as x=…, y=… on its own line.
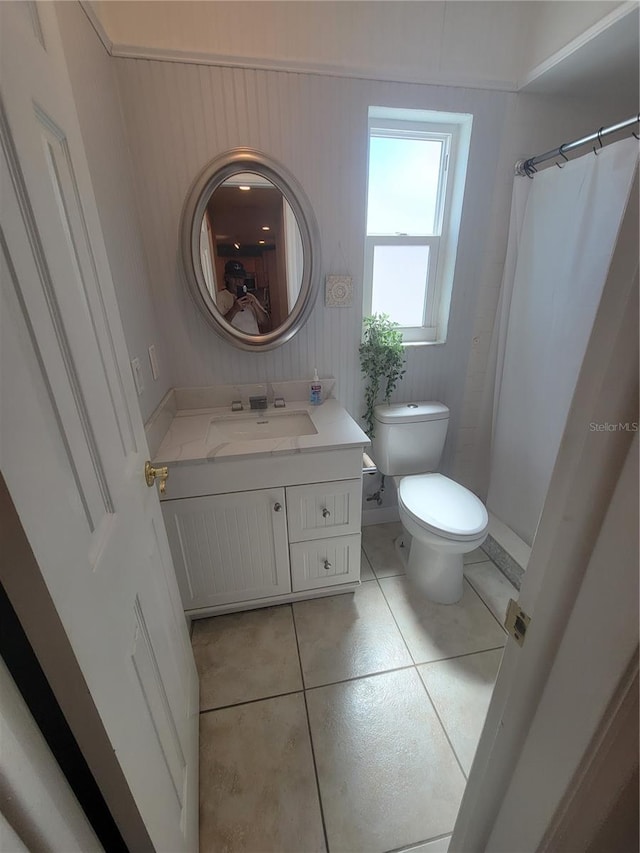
x=443, y=506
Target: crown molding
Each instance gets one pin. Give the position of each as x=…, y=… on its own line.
x=96, y=23
x=432, y=78
x=577, y=43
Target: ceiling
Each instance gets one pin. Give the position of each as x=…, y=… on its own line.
x=569, y=47
x=604, y=66
x=239, y=216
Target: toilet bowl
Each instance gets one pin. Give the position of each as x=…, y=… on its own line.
x=445, y=520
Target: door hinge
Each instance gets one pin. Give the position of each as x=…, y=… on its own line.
x=516, y=622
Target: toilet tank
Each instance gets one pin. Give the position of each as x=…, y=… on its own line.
x=409, y=437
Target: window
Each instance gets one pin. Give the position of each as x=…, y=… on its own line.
x=417, y=169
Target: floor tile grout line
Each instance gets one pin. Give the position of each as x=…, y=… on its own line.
x=424, y=663
x=315, y=770
x=313, y=751
x=250, y=701
x=295, y=634
x=482, y=599
x=476, y=562
x=419, y=844
x=455, y=754
x=400, y=574
x=364, y=554
x=462, y=655
x=360, y=677
x=401, y=668
x=479, y=594
x=443, y=727
x=393, y=616
x=306, y=688
x=386, y=577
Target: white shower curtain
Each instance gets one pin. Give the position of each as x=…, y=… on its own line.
x=563, y=230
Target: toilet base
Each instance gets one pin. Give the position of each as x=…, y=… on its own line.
x=438, y=574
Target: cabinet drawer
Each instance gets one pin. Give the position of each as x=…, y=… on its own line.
x=325, y=562
x=324, y=509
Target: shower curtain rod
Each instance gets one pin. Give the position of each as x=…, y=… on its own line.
x=528, y=167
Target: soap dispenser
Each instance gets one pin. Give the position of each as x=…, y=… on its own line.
x=315, y=389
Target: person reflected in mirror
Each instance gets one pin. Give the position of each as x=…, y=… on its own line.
x=239, y=305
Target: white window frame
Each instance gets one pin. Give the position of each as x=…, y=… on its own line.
x=427, y=330
x=454, y=129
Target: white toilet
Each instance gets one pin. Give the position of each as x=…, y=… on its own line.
x=444, y=519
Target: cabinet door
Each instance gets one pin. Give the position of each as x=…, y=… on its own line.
x=229, y=548
x=325, y=562
x=324, y=509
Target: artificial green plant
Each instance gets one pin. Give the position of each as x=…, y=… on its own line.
x=382, y=362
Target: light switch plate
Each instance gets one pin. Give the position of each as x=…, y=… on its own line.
x=136, y=369
x=153, y=358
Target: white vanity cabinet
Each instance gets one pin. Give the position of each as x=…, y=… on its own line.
x=243, y=547
x=254, y=521
x=229, y=548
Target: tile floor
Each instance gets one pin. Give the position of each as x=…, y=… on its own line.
x=346, y=724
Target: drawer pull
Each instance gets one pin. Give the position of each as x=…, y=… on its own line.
x=277, y=507
x=325, y=513
x=327, y=565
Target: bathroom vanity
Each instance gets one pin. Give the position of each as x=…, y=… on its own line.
x=262, y=507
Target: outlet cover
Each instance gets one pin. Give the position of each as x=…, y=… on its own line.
x=153, y=358
x=136, y=369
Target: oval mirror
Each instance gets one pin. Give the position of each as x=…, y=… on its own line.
x=250, y=250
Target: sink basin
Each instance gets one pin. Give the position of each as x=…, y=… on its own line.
x=259, y=425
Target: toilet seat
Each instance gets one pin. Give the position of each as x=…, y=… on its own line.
x=442, y=506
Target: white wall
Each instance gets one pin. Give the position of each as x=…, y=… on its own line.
x=95, y=92
x=476, y=44
x=179, y=116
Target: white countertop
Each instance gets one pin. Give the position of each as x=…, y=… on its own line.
x=186, y=439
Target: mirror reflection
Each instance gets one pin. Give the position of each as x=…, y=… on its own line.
x=251, y=253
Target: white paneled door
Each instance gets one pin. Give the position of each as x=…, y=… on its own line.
x=72, y=444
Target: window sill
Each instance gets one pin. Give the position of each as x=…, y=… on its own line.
x=408, y=344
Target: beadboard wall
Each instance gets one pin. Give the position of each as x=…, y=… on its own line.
x=95, y=93
x=149, y=126
x=179, y=116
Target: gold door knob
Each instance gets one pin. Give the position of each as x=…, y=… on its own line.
x=151, y=474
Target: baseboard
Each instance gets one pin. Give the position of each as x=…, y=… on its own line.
x=380, y=515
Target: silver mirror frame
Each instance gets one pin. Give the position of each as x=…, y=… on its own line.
x=213, y=175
